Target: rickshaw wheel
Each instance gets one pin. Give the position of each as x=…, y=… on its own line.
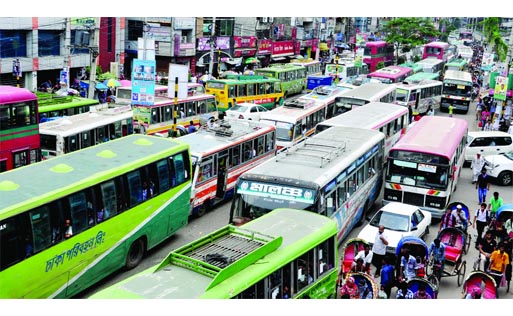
x=434, y=280
x=461, y=272
x=468, y=241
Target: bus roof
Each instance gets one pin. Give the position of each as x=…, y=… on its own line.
x=422, y=76
x=430, y=61
x=368, y=90
x=35, y=184
x=421, y=137
x=279, y=68
x=304, y=62
x=457, y=62
x=457, y=76
x=10, y=94
x=370, y=116
x=55, y=103
x=376, y=43
x=238, y=79
x=390, y=72
x=437, y=44
x=74, y=124
x=292, y=110
x=229, y=132
x=319, y=158
x=415, y=82
x=192, y=270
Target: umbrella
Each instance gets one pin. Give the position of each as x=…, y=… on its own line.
x=228, y=72
x=112, y=83
x=101, y=86
x=125, y=83
x=251, y=60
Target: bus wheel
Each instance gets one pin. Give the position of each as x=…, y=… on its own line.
x=203, y=209
x=135, y=254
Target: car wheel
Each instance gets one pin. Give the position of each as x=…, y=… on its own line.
x=505, y=178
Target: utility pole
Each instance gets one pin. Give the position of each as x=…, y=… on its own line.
x=93, y=51
x=212, y=46
x=510, y=50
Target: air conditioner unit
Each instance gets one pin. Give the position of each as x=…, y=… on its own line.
x=184, y=39
x=264, y=20
x=271, y=19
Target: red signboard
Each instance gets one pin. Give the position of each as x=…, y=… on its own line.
x=283, y=48
x=265, y=46
x=244, y=41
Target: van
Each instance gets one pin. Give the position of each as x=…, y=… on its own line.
x=487, y=143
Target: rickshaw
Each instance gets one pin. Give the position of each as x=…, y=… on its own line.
x=417, y=248
x=360, y=277
x=454, y=241
x=431, y=288
x=503, y=214
x=480, y=283
x=466, y=210
x=350, y=250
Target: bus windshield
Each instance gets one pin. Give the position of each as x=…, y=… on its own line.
x=422, y=175
x=401, y=95
x=457, y=89
x=284, y=131
x=349, y=102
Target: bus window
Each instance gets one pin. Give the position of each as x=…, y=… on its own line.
x=235, y=154
x=241, y=90
x=78, y=212
x=134, y=187
x=40, y=222
x=251, y=89
x=231, y=92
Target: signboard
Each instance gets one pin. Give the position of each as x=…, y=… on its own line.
x=143, y=82
x=222, y=42
x=500, y=90
x=182, y=73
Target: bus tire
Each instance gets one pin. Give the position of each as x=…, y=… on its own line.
x=135, y=254
x=203, y=209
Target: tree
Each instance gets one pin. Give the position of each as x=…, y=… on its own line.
x=409, y=32
x=493, y=37
x=446, y=26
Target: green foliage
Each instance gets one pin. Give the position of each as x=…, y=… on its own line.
x=417, y=58
x=411, y=32
x=380, y=65
x=401, y=60
x=106, y=75
x=491, y=32
x=98, y=70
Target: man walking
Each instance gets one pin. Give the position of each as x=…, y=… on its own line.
x=379, y=249
x=482, y=186
x=477, y=165
x=481, y=220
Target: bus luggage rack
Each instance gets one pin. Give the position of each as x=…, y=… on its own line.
x=325, y=149
x=215, y=254
x=232, y=129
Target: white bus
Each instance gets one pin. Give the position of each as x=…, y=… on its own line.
x=423, y=167
x=432, y=65
x=221, y=153
x=421, y=95
x=79, y=131
x=296, y=119
x=366, y=93
x=390, y=119
x=336, y=173
x=456, y=90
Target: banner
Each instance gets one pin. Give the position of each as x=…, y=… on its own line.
x=500, y=90
x=143, y=82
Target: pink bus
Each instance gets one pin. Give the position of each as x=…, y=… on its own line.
x=439, y=50
x=424, y=165
x=391, y=74
x=375, y=52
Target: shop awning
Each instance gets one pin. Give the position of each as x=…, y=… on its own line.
x=233, y=61
x=278, y=58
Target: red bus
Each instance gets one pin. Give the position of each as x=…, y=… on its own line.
x=439, y=50
x=19, y=128
x=375, y=52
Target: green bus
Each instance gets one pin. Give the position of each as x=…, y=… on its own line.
x=459, y=64
x=52, y=105
x=68, y=222
x=234, y=89
x=421, y=76
x=413, y=66
x=292, y=77
x=286, y=253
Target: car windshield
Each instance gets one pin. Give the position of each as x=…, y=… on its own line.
x=509, y=155
x=391, y=221
x=238, y=108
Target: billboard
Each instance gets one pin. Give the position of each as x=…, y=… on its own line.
x=143, y=82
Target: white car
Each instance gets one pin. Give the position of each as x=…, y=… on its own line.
x=248, y=111
x=399, y=220
x=487, y=143
x=500, y=167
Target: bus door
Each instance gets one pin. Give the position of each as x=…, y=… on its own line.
x=416, y=97
x=222, y=164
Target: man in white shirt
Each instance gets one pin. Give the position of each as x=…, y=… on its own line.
x=379, y=249
x=366, y=256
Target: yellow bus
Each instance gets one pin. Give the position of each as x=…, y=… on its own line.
x=239, y=89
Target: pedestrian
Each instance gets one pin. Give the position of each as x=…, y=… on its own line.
x=379, y=249
x=191, y=129
x=387, y=276
x=477, y=165
x=481, y=219
x=485, y=116
x=488, y=126
x=447, y=220
x=498, y=262
x=495, y=203
x=410, y=114
x=451, y=110
x=482, y=186
x=479, y=109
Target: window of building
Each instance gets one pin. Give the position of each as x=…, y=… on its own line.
x=49, y=43
x=13, y=43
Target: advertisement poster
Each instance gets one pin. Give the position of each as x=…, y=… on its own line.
x=143, y=82
x=501, y=84
x=182, y=73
